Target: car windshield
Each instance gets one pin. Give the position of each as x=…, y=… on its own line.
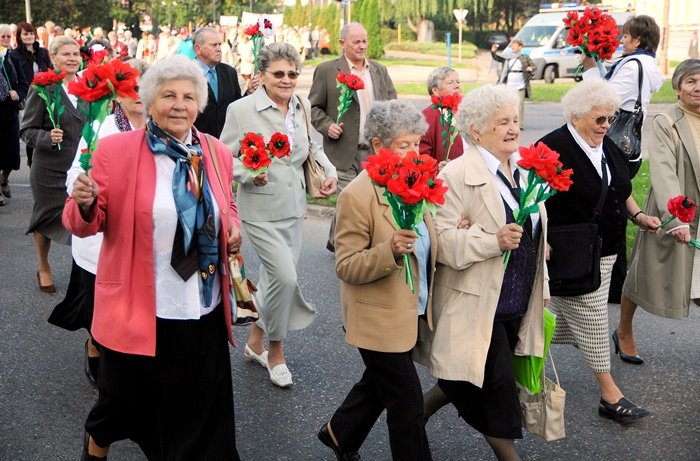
x=534, y=36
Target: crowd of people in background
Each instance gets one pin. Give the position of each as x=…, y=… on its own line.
x=469, y=313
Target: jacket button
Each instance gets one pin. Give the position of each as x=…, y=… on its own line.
x=224, y=211
x=387, y=269
x=617, y=211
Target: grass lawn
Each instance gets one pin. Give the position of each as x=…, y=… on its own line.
x=640, y=188
x=435, y=48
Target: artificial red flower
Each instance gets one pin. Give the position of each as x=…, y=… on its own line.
x=124, y=82
x=381, y=166
x=682, y=208
x=592, y=13
x=424, y=162
x=435, y=192
x=561, y=181
x=48, y=77
x=408, y=183
x=92, y=85
x=594, y=33
x=576, y=37
x=255, y=159
x=279, y=145
x=354, y=82
x=571, y=19
x=347, y=83
x=538, y=157
x=252, y=30
x=447, y=101
x=252, y=140
x=340, y=78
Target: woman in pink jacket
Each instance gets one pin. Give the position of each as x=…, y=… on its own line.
x=162, y=198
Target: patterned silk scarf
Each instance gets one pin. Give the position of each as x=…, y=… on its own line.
x=195, y=208
x=120, y=118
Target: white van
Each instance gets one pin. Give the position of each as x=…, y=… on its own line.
x=544, y=40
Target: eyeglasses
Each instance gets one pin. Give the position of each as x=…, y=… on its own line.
x=5, y=36
x=599, y=120
x=279, y=74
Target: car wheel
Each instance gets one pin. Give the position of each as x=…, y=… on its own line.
x=550, y=73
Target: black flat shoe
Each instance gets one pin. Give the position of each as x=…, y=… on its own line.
x=623, y=411
x=633, y=359
x=87, y=456
x=325, y=437
x=92, y=366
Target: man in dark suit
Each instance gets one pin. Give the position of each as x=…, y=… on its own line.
x=344, y=143
x=222, y=81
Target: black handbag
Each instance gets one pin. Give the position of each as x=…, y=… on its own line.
x=574, y=263
x=626, y=132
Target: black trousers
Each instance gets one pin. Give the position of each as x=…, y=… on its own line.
x=389, y=382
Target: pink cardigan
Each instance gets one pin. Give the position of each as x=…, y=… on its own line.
x=124, y=169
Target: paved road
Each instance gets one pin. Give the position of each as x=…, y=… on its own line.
x=44, y=396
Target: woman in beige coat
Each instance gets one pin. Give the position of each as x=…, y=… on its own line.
x=663, y=276
x=484, y=312
x=381, y=315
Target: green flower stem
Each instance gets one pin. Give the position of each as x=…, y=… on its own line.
x=344, y=100
x=257, y=41
x=536, y=189
x=667, y=221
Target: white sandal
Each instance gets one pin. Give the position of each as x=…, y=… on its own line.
x=281, y=376
x=260, y=359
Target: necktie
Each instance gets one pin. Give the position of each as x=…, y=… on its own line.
x=211, y=76
x=515, y=192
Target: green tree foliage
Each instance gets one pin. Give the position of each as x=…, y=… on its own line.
x=370, y=19
x=329, y=19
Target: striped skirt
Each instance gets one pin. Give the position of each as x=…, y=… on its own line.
x=583, y=320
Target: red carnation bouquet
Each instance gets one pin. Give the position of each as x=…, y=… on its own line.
x=410, y=188
x=98, y=85
x=95, y=54
x=546, y=176
x=52, y=99
x=594, y=33
x=683, y=209
x=256, y=32
x=447, y=105
x=349, y=84
x=256, y=155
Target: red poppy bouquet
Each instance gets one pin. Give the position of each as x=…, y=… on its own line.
x=257, y=32
x=546, y=176
x=683, y=209
x=52, y=99
x=98, y=85
x=594, y=33
x=447, y=105
x=256, y=155
x=95, y=54
x=410, y=187
x=348, y=84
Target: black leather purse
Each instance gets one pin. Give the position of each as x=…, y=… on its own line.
x=574, y=263
x=626, y=132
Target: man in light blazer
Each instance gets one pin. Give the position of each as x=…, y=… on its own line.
x=222, y=81
x=344, y=143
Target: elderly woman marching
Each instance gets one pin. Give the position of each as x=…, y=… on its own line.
x=441, y=81
x=485, y=312
x=272, y=205
x=600, y=170
x=162, y=314
x=663, y=273
x=381, y=315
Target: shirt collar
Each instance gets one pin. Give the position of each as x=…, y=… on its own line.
x=365, y=66
x=590, y=151
x=204, y=66
x=493, y=164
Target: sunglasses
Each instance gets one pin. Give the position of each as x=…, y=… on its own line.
x=602, y=118
x=279, y=74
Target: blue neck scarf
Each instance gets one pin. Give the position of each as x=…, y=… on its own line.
x=614, y=66
x=193, y=201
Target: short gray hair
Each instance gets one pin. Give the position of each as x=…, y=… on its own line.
x=479, y=105
x=589, y=94
x=346, y=28
x=437, y=76
x=687, y=67
x=6, y=27
x=198, y=37
x=386, y=119
x=173, y=68
x=278, y=51
x=140, y=65
x=59, y=42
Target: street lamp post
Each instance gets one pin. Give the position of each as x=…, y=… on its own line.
x=28, y=10
x=460, y=15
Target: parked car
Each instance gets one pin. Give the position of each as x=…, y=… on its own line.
x=499, y=39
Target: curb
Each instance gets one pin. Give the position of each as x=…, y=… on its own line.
x=318, y=211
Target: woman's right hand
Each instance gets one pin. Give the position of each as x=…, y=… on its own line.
x=402, y=242
x=509, y=236
x=84, y=190
x=56, y=135
x=260, y=180
x=682, y=235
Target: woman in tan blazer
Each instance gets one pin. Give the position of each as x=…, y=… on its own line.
x=483, y=311
x=380, y=314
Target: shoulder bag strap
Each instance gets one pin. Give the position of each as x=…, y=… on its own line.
x=215, y=160
x=638, y=103
x=311, y=157
x=604, y=189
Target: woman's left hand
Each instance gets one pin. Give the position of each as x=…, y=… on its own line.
x=235, y=239
x=648, y=223
x=14, y=96
x=253, y=84
x=328, y=188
